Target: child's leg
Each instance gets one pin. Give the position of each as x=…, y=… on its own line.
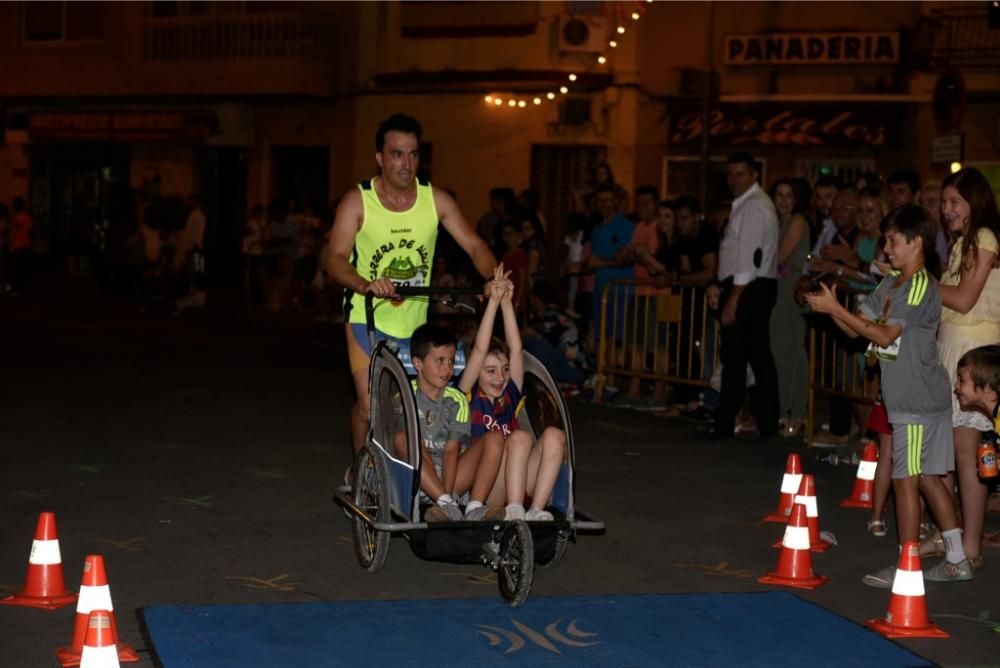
x=544, y=463
x=498, y=495
x=907, y=508
x=883, y=476
x=518, y=447
x=478, y=466
x=971, y=489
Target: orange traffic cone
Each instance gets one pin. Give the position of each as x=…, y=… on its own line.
x=807, y=497
x=907, y=614
x=864, y=481
x=99, y=647
x=795, y=562
x=789, y=487
x=44, y=586
x=95, y=594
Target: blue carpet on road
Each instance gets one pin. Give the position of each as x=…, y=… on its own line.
x=755, y=629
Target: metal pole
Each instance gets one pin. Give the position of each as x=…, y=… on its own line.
x=706, y=107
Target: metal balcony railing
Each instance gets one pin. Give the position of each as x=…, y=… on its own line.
x=242, y=38
x=958, y=37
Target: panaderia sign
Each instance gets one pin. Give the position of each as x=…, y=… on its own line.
x=763, y=125
x=830, y=48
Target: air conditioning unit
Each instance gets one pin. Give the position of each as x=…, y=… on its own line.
x=581, y=34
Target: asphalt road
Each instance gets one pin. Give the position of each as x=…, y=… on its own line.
x=198, y=454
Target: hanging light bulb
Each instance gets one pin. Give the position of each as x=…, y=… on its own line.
x=537, y=101
x=497, y=101
x=522, y=104
x=550, y=95
x=621, y=30
x=635, y=16
x=512, y=103
x=602, y=60
x=563, y=90
x=612, y=44
x=572, y=77
x=488, y=98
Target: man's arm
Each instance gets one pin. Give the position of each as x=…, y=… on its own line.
x=346, y=223
x=460, y=230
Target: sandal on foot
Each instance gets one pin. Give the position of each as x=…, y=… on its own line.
x=933, y=546
x=876, y=528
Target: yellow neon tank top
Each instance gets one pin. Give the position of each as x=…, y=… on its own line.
x=398, y=245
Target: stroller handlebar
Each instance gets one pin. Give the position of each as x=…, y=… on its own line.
x=416, y=291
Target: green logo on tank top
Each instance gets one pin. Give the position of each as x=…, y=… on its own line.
x=403, y=269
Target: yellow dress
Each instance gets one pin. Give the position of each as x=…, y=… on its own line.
x=960, y=333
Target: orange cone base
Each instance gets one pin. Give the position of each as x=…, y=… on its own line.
x=43, y=602
x=811, y=582
x=778, y=517
x=892, y=631
x=67, y=657
x=851, y=502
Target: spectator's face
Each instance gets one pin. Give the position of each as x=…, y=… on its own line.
x=899, y=194
x=955, y=210
x=645, y=207
x=687, y=222
x=824, y=200
x=601, y=175
x=930, y=199
x=399, y=159
x=510, y=237
x=869, y=215
x=971, y=397
x=740, y=177
x=606, y=205
x=784, y=200
x=665, y=220
x=437, y=366
x=845, y=211
x=494, y=375
x=712, y=294
x=901, y=251
x=527, y=229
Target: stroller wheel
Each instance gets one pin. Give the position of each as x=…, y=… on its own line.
x=515, y=563
x=371, y=494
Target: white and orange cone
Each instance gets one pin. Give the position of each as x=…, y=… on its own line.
x=907, y=614
x=44, y=585
x=790, y=482
x=99, y=646
x=794, y=567
x=864, y=481
x=807, y=497
x=95, y=594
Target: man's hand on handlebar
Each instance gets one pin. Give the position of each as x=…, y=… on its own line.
x=381, y=287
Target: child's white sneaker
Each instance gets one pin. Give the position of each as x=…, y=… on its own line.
x=538, y=515
x=514, y=511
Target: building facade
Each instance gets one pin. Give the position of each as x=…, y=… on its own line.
x=258, y=102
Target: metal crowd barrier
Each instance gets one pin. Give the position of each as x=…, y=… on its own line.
x=671, y=336
x=666, y=336
x=837, y=365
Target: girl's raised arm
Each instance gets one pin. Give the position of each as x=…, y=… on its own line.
x=513, y=337
x=474, y=360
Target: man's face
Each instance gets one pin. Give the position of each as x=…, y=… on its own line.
x=899, y=194
x=687, y=222
x=606, y=205
x=844, y=211
x=399, y=159
x=740, y=177
x=645, y=207
x=824, y=200
x=436, y=367
x=930, y=199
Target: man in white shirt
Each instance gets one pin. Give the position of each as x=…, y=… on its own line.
x=748, y=269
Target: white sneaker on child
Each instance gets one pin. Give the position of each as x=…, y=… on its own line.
x=538, y=515
x=514, y=511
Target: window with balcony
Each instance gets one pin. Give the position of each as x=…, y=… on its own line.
x=78, y=21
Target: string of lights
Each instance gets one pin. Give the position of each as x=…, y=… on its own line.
x=521, y=101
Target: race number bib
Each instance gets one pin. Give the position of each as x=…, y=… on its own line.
x=889, y=353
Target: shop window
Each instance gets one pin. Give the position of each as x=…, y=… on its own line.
x=63, y=21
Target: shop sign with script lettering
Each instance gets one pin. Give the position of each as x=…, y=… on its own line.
x=762, y=125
